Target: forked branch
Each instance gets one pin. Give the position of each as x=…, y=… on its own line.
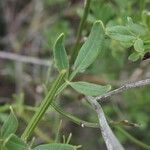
x=123, y=88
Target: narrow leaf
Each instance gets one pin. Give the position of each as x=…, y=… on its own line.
x=110, y=139
x=60, y=55
x=15, y=143
x=138, y=45
x=120, y=33
x=55, y=146
x=10, y=125
x=91, y=48
x=90, y=88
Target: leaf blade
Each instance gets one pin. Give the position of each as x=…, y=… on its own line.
x=134, y=56
x=60, y=55
x=55, y=146
x=139, y=45
x=91, y=48
x=120, y=33
x=10, y=125
x=89, y=89
x=15, y=143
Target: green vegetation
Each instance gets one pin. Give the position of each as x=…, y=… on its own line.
x=104, y=62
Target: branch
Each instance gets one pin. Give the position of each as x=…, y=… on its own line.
x=106, y=130
x=110, y=139
x=122, y=89
x=24, y=59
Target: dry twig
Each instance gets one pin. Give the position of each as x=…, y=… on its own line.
x=122, y=89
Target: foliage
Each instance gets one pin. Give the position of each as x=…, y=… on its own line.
x=116, y=45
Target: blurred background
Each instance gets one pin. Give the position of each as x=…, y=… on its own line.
x=28, y=30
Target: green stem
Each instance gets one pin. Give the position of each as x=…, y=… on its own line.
x=96, y=125
x=133, y=139
x=74, y=119
x=142, y=5
x=44, y=106
x=79, y=32
x=37, y=131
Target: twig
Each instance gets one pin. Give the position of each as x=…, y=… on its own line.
x=100, y=113
x=110, y=139
x=24, y=59
x=122, y=89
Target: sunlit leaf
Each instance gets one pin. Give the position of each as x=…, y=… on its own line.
x=90, y=88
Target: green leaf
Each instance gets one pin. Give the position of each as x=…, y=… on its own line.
x=138, y=45
x=60, y=55
x=146, y=18
x=90, y=88
x=10, y=125
x=55, y=146
x=147, y=48
x=109, y=137
x=134, y=56
x=91, y=48
x=135, y=28
x=120, y=33
x=3, y=117
x=15, y=143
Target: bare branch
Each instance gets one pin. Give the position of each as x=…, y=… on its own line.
x=122, y=89
x=24, y=59
x=110, y=139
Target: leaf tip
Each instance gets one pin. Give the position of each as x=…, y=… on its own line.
x=11, y=109
x=61, y=37
x=99, y=22
x=63, y=71
x=109, y=87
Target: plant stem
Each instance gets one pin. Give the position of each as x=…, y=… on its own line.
x=44, y=106
x=79, y=32
x=37, y=131
x=142, y=5
x=133, y=139
x=74, y=119
x=96, y=107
